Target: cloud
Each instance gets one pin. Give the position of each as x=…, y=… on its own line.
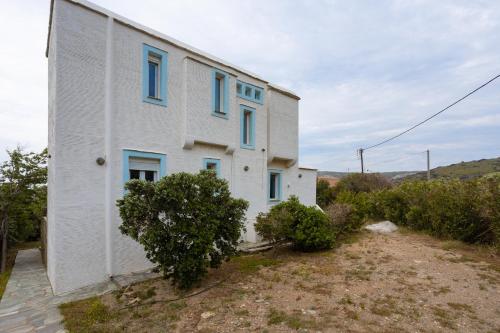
x=364, y=70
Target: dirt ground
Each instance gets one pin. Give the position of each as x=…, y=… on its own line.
x=402, y=282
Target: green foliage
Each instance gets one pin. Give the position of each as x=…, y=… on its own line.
x=463, y=210
x=325, y=194
x=185, y=222
x=23, y=194
x=307, y=228
x=362, y=182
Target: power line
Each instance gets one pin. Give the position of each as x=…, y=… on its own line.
x=434, y=115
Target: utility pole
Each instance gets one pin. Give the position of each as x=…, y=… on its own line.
x=428, y=165
x=361, y=155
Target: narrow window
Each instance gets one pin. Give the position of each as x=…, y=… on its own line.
x=220, y=105
x=239, y=88
x=274, y=185
x=247, y=127
x=218, y=97
x=154, y=77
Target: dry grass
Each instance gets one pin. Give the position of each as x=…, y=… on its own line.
x=367, y=285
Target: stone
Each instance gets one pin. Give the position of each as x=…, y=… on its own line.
x=207, y=314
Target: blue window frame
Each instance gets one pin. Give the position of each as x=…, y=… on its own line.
x=274, y=188
x=212, y=164
x=143, y=165
x=220, y=93
x=154, y=75
x=250, y=92
x=247, y=127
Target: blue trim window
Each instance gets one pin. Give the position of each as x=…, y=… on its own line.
x=274, y=185
x=212, y=164
x=143, y=165
x=250, y=92
x=154, y=75
x=247, y=127
x=220, y=93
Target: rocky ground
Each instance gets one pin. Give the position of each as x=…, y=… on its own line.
x=400, y=282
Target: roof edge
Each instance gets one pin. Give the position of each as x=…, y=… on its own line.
x=156, y=34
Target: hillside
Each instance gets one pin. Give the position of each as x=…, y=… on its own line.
x=462, y=170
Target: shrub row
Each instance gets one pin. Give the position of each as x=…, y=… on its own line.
x=307, y=228
x=464, y=210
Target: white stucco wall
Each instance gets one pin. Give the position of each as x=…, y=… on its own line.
x=96, y=110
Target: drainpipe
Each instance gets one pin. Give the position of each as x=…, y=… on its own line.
x=108, y=111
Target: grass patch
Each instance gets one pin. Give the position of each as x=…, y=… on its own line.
x=461, y=307
x=294, y=321
x=443, y=317
x=252, y=263
x=89, y=315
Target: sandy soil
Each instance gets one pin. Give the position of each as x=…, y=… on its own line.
x=401, y=282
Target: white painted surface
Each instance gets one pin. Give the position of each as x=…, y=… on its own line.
x=96, y=110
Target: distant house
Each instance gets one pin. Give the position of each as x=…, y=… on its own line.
x=128, y=102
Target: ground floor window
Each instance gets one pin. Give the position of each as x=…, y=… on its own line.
x=274, y=188
x=212, y=164
x=143, y=165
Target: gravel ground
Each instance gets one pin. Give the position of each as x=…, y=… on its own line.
x=398, y=282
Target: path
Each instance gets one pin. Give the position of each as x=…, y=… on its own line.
x=28, y=304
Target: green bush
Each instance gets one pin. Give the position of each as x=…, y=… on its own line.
x=308, y=228
x=363, y=182
x=186, y=223
x=325, y=194
x=464, y=210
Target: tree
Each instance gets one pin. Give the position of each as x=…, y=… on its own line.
x=185, y=222
x=23, y=194
x=324, y=193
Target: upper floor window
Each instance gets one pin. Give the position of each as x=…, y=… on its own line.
x=154, y=75
x=274, y=188
x=247, y=127
x=143, y=165
x=220, y=93
x=250, y=92
x=212, y=164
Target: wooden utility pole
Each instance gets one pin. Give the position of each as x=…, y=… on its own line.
x=361, y=155
x=428, y=165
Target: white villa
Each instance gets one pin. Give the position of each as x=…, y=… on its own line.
x=125, y=102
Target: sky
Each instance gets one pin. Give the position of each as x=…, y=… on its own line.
x=365, y=70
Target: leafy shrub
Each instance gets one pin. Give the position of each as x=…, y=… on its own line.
x=464, y=210
x=325, y=194
x=186, y=223
x=363, y=182
x=344, y=218
x=307, y=228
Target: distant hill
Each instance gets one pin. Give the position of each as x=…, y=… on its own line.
x=390, y=175
x=462, y=170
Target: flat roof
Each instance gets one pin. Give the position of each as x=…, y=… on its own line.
x=170, y=40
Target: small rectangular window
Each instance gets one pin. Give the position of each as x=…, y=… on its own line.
x=247, y=127
x=212, y=164
x=274, y=186
x=154, y=77
x=250, y=92
x=135, y=174
x=219, y=88
x=144, y=169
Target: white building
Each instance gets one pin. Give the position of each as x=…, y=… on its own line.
x=126, y=101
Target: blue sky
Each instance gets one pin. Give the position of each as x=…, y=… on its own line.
x=365, y=70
